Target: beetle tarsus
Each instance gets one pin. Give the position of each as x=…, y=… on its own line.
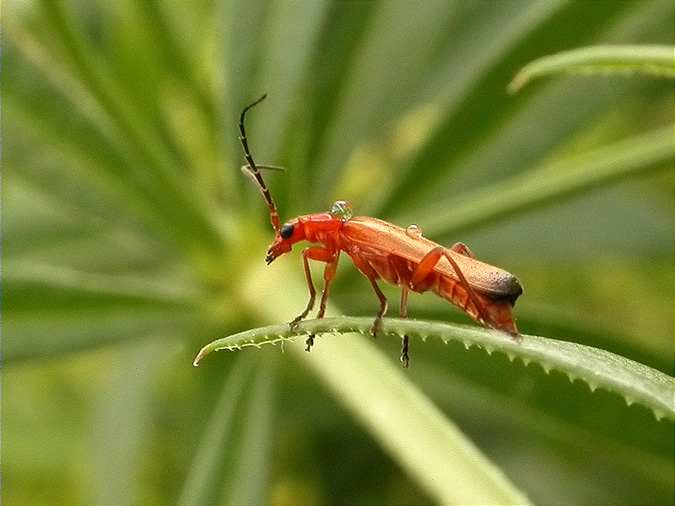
x=309, y=343
x=405, y=358
x=295, y=322
x=377, y=326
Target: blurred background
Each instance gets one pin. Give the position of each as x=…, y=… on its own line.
x=131, y=239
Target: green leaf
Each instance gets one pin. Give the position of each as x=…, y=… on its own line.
x=53, y=310
x=117, y=445
x=247, y=480
x=648, y=60
x=430, y=448
x=156, y=21
x=549, y=184
x=530, y=422
x=477, y=115
x=189, y=217
x=204, y=482
x=384, y=79
x=598, y=368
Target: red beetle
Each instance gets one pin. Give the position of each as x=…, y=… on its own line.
x=401, y=256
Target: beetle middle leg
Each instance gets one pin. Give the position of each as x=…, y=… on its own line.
x=331, y=260
x=377, y=324
x=363, y=266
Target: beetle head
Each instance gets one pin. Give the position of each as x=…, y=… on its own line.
x=290, y=232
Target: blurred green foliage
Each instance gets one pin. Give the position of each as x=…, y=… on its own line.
x=131, y=239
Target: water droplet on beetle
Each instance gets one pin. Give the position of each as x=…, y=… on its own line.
x=413, y=231
x=341, y=209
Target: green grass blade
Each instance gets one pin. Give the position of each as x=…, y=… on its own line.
x=190, y=219
x=118, y=443
x=288, y=39
x=485, y=106
x=598, y=368
x=155, y=17
x=548, y=185
x=89, y=156
x=429, y=447
x=248, y=479
x=525, y=420
x=204, y=482
x=658, y=61
x=50, y=310
x=388, y=70
x=85, y=151
x=342, y=35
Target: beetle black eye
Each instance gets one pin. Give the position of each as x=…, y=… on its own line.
x=286, y=231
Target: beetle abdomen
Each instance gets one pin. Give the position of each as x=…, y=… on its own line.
x=497, y=311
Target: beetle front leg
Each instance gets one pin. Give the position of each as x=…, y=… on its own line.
x=307, y=253
x=328, y=275
x=321, y=255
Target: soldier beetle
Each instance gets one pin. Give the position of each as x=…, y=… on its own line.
x=380, y=250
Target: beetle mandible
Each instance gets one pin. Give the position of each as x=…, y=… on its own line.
x=380, y=250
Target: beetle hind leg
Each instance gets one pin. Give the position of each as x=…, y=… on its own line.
x=403, y=312
x=462, y=249
x=426, y=266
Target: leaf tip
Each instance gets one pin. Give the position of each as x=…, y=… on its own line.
x=202, y=353
x=517, y=83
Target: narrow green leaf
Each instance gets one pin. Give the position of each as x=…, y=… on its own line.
x=157, y=22
x=649, y=60
x=247, y=481
x=117, y=443
x=428, y=447
x=288, y=38
x=204, y=482
x=342, y=34
x=82, y=149
x=549, y=184
x=541, y=428
x=519, y=142
x=98, y=285
x=189, y=217
x=598, y=368
x=50, y=310
x=484, y=106
x=389, y=69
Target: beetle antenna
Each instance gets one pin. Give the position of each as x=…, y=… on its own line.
x=251, y=170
